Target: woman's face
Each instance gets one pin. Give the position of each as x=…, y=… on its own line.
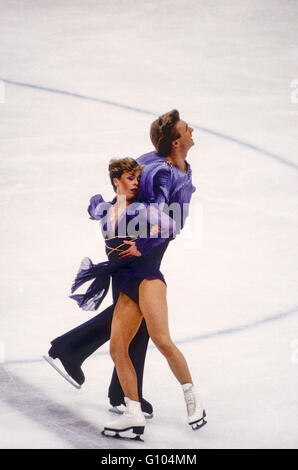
x=128, y=184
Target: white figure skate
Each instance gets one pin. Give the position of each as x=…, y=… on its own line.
x=195, y=410
x=131, y=422
x=145, y=406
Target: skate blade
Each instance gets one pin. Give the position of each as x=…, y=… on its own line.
x=133, y=435
x=63, y=374
x=119, y=411
x=200, y=423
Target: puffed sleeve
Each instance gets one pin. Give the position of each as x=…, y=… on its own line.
x=155, y=183
x=93, y=208
x=162, y=227
x=162, y=184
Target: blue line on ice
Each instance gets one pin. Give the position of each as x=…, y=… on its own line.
x=144, y=111
x=192, y=339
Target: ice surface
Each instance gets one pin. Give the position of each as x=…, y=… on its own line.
x=101, y=71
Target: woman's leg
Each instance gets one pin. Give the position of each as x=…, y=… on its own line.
x=137, y=353
x=126, y=321
x=153, y=305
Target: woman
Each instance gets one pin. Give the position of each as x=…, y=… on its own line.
x=135, y=281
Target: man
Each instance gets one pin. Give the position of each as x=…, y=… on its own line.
x=166, y=178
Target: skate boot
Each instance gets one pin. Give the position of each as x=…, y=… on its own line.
x=74, y=374
x=145, y=406
x=130, y=424
x=195, y=411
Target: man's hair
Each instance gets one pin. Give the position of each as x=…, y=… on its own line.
x=163, y=132
x=118, y=166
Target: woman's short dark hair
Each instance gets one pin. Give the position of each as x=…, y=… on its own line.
x=118, y=166
x=163, y=132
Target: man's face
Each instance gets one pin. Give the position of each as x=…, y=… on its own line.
x=185, y=141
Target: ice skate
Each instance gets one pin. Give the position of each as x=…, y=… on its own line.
x=130, y=425
x=70, y=365
x=195, y=410
x=145, y=406
x=66, y=376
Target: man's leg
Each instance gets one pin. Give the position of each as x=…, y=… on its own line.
x=76, y=345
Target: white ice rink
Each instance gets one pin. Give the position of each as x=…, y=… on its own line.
x=81, y=83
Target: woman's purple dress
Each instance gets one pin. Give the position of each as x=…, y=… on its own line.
x=128, y=273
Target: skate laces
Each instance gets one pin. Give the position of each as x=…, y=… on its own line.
x=191, y=402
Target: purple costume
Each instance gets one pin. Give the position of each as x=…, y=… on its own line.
x=126, y=273
x=160, y=183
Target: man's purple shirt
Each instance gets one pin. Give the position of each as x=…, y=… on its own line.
x=161, y=183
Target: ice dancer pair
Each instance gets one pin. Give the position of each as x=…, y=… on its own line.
x=170, y=180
